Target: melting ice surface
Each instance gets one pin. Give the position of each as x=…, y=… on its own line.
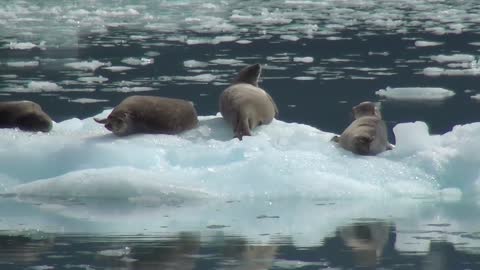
x=284, y=166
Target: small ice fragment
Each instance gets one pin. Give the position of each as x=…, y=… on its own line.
x=453, y=58
x=476, y=97
x=118, y=68
x=143, y=61
x=20, y=64
x=194, y=64
x=226, y=62
x=433, y=71
x=36, y=86
x=421, y=43
x=415, y=93
x=220, y=39
x=304, y=78
x=289, y=37
x=21, y=45
x=87, y=65
x=115, y=252
x=88, y=100
x=199, y=78
x=307, y=59
x=243, y=41
x=93, y=79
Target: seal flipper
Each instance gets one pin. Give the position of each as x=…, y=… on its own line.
x=100, y=121
x=335, y=139
x=390, y=146
x=242, y=128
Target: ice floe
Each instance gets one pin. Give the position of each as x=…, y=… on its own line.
x=415, y=93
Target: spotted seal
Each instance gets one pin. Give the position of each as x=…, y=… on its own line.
x=367, y=134
x=25, y=115
x=151, y=114
x=244, y=105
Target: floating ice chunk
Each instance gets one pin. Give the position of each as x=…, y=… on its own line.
x=41, y=267
x=115, y=252
x=304, y=78
x=20, y=64
x=198, y=78
x=433, y=71
x=474, y=43
x=289, y=37
x=421, y=43
x=126, y=89
x=232, y=62
x=219, y=39
x=194, y=64
x=475, y=97
x=25, y=45
x=93, y=79
x=243, y=41
x=87, y=100
x=411, y=137
x=152, y=53
x=36, y=86
x=118, y=68
x=453, y=58
x=196, y=41
x=307, y=59
x=143, y=61
x=9, y=76
x=87, y=65
x=436, y=30
x=415, y=93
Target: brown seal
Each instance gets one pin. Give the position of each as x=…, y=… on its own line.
x=244, y=105
x=25, y=115
x=367, y=134
x=151, y=114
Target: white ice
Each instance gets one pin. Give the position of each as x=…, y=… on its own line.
x=453, y=58
x=143, y=61
x=36, y=86
x=118, y=68
x=422, y=43
x=194, y=64
x=87, y=65
x=79, y=158
x=415, y=93
x=20, y=64
x=87, y=100
x=307, y=59
x=218, y=180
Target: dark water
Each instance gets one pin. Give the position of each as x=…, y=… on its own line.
x=322, y=103
x=345, y=71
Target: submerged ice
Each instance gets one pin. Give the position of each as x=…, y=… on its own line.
x=80, y=159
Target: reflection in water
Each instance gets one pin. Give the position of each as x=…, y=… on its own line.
x=359, y=245
x=368, y=240
x=177, y=253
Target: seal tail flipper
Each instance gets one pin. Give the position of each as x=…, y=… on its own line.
x=335, y=139
x=100, y=121
x=242, y=128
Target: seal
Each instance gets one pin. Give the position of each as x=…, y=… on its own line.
x=151, y=114
x=245, y=105
x=25, y=115
x=367, y=134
